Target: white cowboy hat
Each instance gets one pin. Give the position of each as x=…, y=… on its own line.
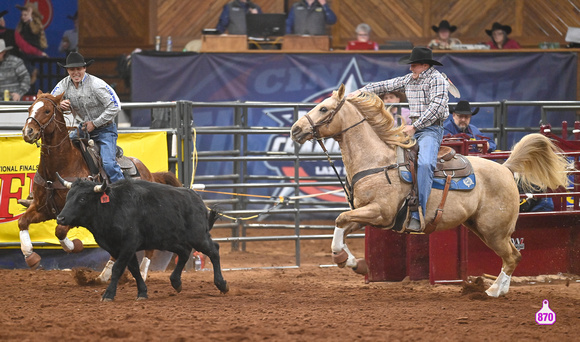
x=3, y=46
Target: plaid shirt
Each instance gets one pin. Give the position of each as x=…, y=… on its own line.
x=428, y=96
x=13, y=75
x=94, y=100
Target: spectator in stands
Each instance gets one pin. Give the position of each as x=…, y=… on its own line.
x=499, y=37
x=233, y=17
x=14, y=39
x=94, y=102
x=310, y=17
x=461, y=123
x=13, y=74
x=444, y=40
x=531, y=203
x=398, y=97
x=70, y=38
x=362, y=42
x=427, y=91
x=31, y=29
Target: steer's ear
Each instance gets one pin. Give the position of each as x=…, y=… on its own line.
x=64, y=182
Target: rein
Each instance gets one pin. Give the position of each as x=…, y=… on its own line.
x=315, y=133
x=42, y=127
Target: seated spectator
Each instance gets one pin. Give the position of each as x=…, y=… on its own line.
x=398, y=97
x=362, y=42
x=70, y=38
x=460, y=123
x=533, y=204
x=310, y=17
x=233, y=17
x=14, y=39
x=499, y=37
x=444, y=40
x=13, y=74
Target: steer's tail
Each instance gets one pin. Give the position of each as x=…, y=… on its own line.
x=536, y=161
x=212, y=216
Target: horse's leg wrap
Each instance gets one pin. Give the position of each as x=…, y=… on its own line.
x=25, y=243
x=501, y=285
x=32, y=258
x=75, y=246
x=105, y=275
x=144, y=267
x=338, y=240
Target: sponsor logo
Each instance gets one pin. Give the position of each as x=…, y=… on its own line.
x=352, y=80
x=519, y=243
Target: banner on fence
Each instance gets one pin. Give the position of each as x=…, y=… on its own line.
x=19, y=162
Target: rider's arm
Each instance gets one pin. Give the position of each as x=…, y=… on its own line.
x=107, y=96
x=383, y=87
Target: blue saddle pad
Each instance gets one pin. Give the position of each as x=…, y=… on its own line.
x=465, y=183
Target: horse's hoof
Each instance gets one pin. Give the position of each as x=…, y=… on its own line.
x=226, y=289
x=340, y=258
x=78, y=246
x=106, y=299
x=33, y=260
x=361, y=267
x=141, y=298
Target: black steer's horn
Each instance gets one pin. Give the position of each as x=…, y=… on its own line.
x=64, y=182
x=100, y=188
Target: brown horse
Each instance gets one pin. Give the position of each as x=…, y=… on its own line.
x=368, y=139
x=46, y=121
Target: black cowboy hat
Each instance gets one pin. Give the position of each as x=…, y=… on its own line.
x=464, y=108
x=75, y=59
x=419, y=54
x=3, y=13
x=444, y=24
x=497, y=26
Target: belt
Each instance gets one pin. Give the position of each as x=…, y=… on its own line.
x=110, y=122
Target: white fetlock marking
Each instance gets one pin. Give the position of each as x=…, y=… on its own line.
x=501, y=285
x=106, y=273
x=67, y=244
x=144, y=268
x=25, y=243
x=338, y=240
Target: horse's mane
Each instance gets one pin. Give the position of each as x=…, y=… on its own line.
x=381, y=120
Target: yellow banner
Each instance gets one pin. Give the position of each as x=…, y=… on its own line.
x=18, y=164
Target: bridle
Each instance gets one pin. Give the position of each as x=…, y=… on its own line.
x=316, y=135
x=42, y=127
x=326, y=121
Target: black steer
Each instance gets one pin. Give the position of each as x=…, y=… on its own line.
x=133, y=215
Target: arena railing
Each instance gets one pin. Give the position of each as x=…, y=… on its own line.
x=182, y=157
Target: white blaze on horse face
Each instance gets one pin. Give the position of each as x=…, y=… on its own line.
x=37, y=106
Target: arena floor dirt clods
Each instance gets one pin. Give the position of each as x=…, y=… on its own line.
x=306, y=304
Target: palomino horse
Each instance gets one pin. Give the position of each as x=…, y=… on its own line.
x=368, y=139
x=46, y=121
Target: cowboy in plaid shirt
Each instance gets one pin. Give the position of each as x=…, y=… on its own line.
x=427, y=93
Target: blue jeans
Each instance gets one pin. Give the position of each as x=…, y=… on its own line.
x=429, y=140
x=106, y=138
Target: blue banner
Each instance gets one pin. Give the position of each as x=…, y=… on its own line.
x=481, y=77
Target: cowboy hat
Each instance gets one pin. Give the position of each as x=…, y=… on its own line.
x=75, y=59
x=419, y=54
x=3, y=13
x=497, y=26
x=444, y=24
x=3, y=46
x=31, y=6
x=464, y=108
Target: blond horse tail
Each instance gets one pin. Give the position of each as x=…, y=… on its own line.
x=534, y=160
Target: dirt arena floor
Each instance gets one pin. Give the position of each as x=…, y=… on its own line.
x=311, y=303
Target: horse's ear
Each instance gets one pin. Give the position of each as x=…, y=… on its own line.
x=58, y=98
x=341, y=91
x=39, y=93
